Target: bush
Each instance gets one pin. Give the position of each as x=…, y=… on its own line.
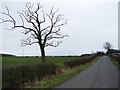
x=81, y=60
x=16, y=77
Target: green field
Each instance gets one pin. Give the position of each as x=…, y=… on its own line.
x=12, y=61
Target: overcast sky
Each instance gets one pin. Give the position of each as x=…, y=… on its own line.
x=90, y=24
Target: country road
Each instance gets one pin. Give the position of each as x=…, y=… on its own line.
x=102, y=74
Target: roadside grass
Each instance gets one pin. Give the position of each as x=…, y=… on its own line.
x=0, y=61
x=58, y=79
x=115, y=62
x=13, y=61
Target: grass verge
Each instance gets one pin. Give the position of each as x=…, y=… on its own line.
x=115, y=62
x=58, y=79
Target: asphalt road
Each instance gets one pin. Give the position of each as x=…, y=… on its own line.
x=102, y=74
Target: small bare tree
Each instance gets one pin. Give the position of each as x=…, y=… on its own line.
x=42, y=28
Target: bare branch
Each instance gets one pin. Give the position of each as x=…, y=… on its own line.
x=45, y=28
x=8, y=14
x=43, y=18
x=53, y=44
x=58, y=18
x=30, y=29
x=38, y=8
x=56, y=31
x=2, y=20
x=7, y=9
x=56, y=37
x=59, y=25
x=25, y=42
x=21, y=18
x=22, y=14
x=52, y=16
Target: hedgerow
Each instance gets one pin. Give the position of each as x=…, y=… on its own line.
x=81, y=60
x=16, y=77
x=116, y=57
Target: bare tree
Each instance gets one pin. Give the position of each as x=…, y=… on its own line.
x=42, y=28
x=107, y=46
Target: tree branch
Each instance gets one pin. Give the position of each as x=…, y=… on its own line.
x=25, y=42
x=53, y=44
x=58, y=18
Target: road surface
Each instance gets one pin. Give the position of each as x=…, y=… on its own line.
x=102, y=74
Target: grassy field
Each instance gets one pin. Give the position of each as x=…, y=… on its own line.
x=12, y=61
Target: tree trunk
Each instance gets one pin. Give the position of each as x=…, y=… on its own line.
x=42, y=49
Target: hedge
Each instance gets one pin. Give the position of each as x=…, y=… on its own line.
x=81, y=60
x=116, y=57
x=16, y=77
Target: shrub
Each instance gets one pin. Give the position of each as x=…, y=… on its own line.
x=81, y=60
x=16, y=77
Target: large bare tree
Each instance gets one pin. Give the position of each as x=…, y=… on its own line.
x=42, y=27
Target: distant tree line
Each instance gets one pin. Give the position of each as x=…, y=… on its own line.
x=6, y=55
x=109, y=49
